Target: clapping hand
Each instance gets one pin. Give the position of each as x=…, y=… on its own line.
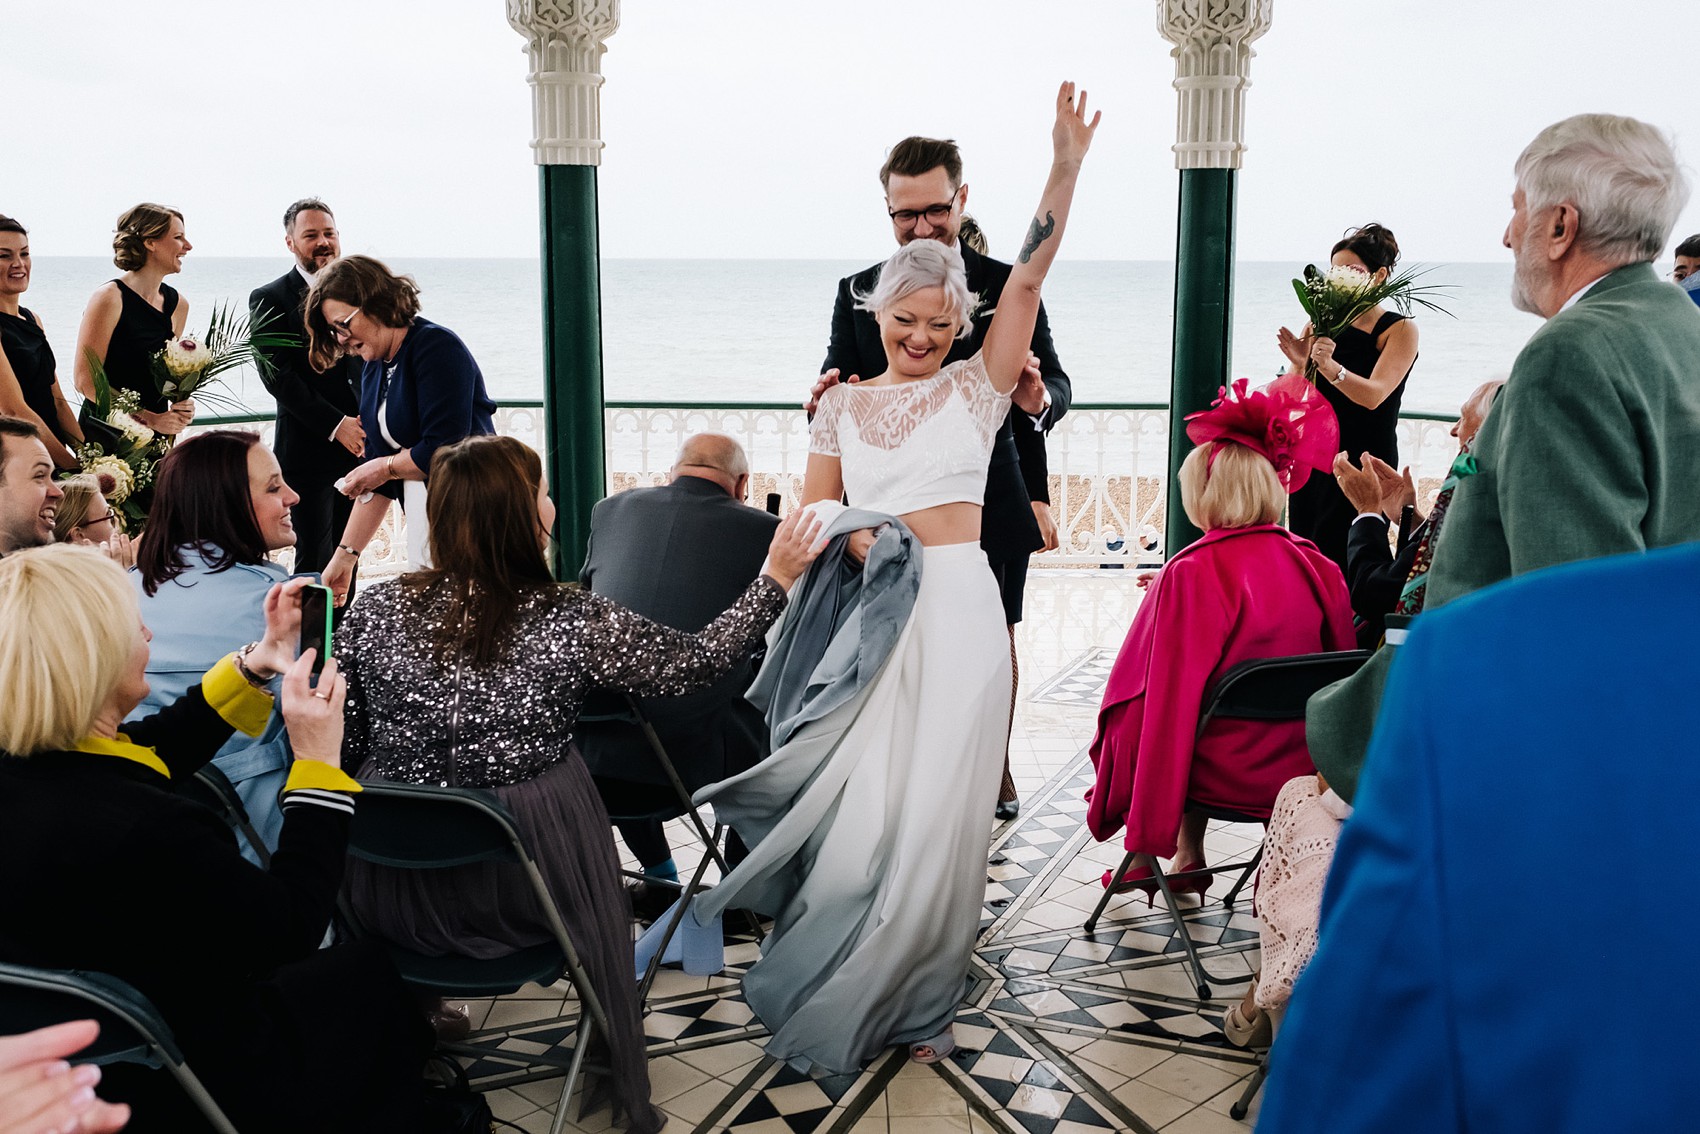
x=1295, y=347
x=1397, y=488
x=1361, y=486
x=41, y=1093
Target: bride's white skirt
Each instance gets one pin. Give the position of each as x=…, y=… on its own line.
x=869, y=834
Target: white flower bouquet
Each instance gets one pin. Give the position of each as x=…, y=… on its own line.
x=1333, y=298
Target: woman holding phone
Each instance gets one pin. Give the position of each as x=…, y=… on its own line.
x=203, y=568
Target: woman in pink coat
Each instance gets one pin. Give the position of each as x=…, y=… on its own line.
x=1247, y=589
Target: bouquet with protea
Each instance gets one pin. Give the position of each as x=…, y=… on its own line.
x=121, y=450
x=185, y=366
x=1335, y=297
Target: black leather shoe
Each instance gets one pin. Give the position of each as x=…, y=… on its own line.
x=1007, y=809
x=650, y=902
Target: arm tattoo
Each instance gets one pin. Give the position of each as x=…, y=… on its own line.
x=1036, y=235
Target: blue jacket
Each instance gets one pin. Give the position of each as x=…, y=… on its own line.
x=436, y=395
x=196, y=619
x=1517, y=866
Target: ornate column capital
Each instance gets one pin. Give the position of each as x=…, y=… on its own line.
x=1212, y=56
x=564, y=43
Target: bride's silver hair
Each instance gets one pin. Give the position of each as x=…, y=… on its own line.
x=918, y=265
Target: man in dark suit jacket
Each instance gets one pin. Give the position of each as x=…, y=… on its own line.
x=679, y=554
x=925, y=196
x=1375, y=571
x=319, y=438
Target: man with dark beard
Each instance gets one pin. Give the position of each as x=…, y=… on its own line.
x=319, y=438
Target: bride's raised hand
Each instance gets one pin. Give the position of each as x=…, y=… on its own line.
x=1071, y=137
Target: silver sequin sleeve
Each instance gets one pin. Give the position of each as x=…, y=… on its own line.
x=414, y=717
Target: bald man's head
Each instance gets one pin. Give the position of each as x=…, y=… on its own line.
x=715, y=457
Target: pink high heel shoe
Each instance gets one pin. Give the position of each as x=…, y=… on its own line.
x=1139, y=878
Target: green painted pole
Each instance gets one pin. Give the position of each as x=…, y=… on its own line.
x=1203, y=347
x=572, y=356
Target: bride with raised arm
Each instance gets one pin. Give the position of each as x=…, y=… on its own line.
x=869, y=825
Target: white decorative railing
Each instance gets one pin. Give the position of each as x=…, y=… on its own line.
x=1109, y=467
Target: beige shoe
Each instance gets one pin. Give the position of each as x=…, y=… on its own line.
x=1254, y=1033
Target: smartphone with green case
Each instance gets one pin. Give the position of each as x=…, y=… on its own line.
x=316, y=605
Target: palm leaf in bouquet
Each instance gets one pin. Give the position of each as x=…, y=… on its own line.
x=1332, y=299
x=185, y=367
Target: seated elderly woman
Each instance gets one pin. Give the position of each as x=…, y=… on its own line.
x=106, y=868
x=471, y=673
x=1248, y=588
x=203, y=570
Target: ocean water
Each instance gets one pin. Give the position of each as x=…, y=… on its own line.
x=756, y=330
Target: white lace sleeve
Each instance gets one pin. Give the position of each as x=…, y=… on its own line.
x=974, y=386
x=823, y=431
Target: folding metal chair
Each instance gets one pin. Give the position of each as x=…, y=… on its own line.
x=418, y=827
x=131, y=1030
x=221, y=794
x=1264, y=689
x=601, y=709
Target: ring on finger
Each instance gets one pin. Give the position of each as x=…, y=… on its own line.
x=323, y=696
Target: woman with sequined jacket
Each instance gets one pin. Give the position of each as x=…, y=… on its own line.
x=471, y=674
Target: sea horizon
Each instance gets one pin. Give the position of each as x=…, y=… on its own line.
x=708, y=330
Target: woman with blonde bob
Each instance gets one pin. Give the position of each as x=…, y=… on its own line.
x=1248, y=588
x=107, y=867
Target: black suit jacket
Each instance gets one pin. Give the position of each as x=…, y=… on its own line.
x=309, y=404
x=679, y=554
x=1007, y=527
x=1375, y=575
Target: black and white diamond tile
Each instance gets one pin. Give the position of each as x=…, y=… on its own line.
x=1053, y=1037
x=1079, y=683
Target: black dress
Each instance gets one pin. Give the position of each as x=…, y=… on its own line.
x=31, y=357
x=141, y=331
x=1319, y=511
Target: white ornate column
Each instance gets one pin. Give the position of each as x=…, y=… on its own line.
x=1212, y=56
x=564, y=43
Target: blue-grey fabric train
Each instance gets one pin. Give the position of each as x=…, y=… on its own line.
x=869, y=824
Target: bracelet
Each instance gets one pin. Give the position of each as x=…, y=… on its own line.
x=240, y=657
x=389, y=466
x=352, y=553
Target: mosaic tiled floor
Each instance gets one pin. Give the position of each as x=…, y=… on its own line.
x=1062, y=1032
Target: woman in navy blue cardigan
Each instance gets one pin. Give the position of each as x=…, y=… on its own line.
x=420, y=390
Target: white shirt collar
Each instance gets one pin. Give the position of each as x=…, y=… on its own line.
x=305, y=274
x=1580, y=292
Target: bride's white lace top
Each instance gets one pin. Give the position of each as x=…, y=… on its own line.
x=913, y=445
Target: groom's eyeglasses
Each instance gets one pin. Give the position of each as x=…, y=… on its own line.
x=906, y=218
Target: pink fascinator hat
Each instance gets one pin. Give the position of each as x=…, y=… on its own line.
x=1288, y=421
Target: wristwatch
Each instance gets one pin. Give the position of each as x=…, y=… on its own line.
x=1339, y=377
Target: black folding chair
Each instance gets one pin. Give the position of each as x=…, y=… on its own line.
x=1264, y=689
x=218, y=791
x=418, y=827
x=628, y=713
x=131, y=1030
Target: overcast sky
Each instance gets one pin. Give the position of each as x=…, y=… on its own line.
x=754, y=128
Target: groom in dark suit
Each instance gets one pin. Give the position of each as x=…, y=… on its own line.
x=925, y=196
x=319, y=438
